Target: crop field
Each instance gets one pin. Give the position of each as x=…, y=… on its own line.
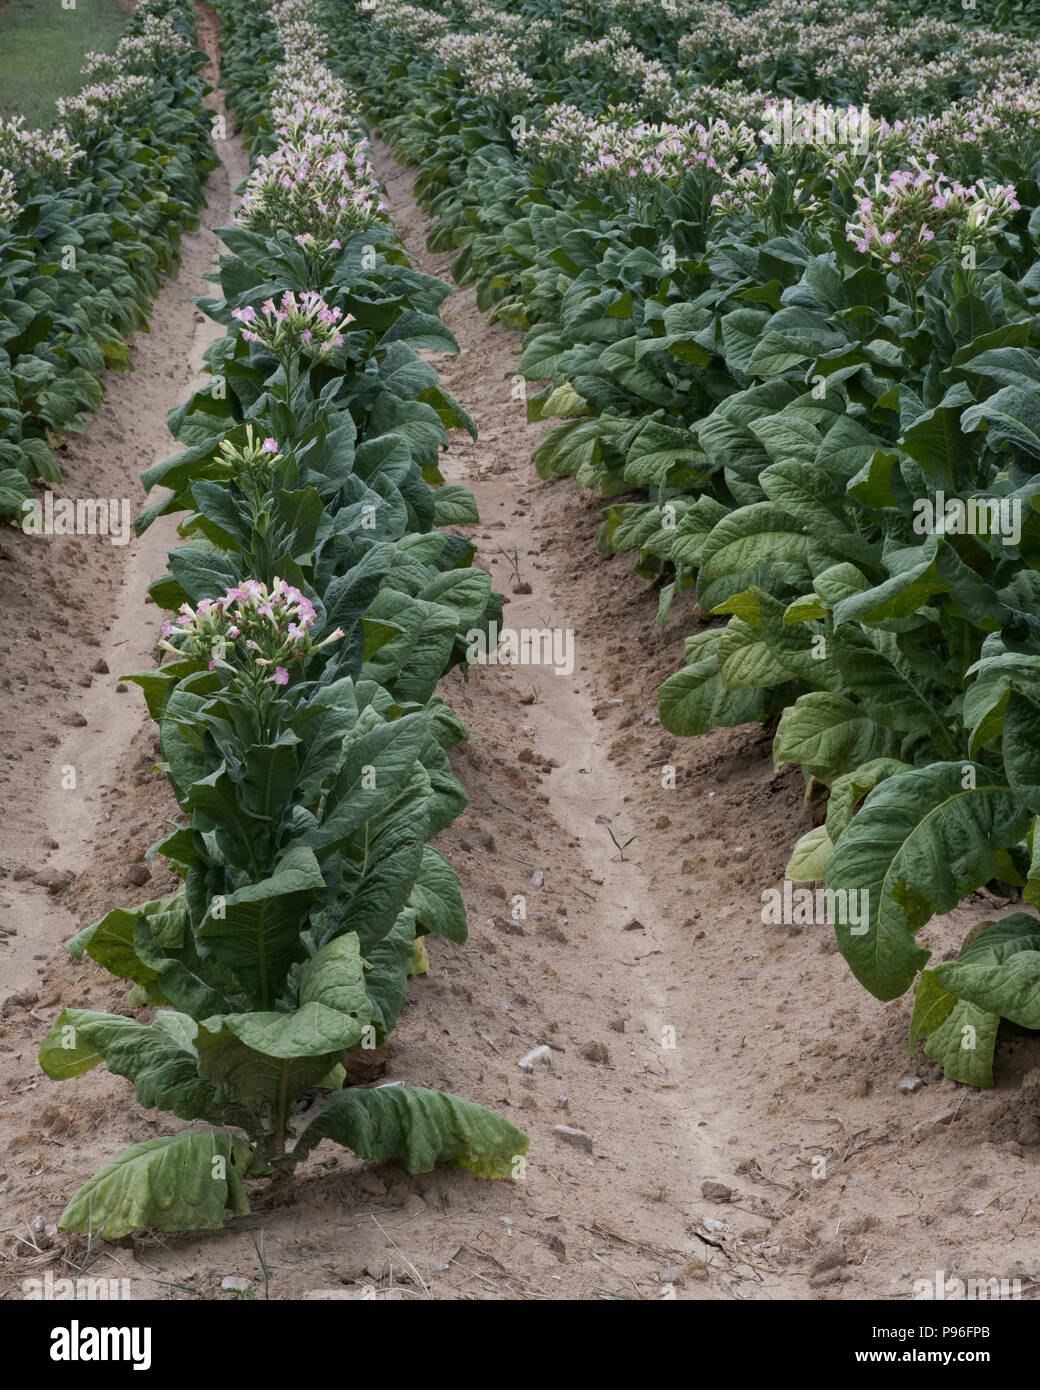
x=520, y=547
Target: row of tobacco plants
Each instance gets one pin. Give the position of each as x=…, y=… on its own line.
x=91, y=213
x=778, y=268
x=315, y=603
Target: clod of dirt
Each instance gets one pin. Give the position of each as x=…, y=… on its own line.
x=23, y=1000
x=596, y=1052
x=100, y=667
x=54, y=880
x=138, y=875
x=577, y=1137
x=522, y=588
x=634, y=925
x=75, y=720
x=829, y=1258
x=716, y=1191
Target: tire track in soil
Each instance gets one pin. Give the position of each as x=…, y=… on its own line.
x=634, y=941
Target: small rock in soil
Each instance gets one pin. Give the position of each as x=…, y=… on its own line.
x=138, y=875
x=909, y=1084
x=539, y=1059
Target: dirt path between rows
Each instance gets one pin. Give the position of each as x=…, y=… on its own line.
x=691, y=1044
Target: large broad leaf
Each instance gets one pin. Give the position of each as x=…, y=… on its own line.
x=886, y=683
x=999, y=970
x=376, y=767
x=1022, y=747
x=258, y=934
x=437, y=899
x=829, y=735
x=960, y=1035
x=922, y=841
x=110, y=942
x=411, y=663
x=163, y=1067
x=421, y=1128
x=181, y=1182
x=386, y=981
x=331, y=1017
x=695, y=700
x=1012, y=416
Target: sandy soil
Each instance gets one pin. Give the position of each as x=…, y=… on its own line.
x=691, y=1043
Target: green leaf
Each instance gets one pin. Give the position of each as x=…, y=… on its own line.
x=165, y=1073
x=418, y=1127
x=809, y=858
x=1022, y=747
x=454, y=505
x=1012, y=417
x=829, y=734
x=999, y=970
x=258, y=936
x=437, y=898
x=922, y=841
x=181, y=1182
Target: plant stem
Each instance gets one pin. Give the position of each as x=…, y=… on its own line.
x=278, y=1141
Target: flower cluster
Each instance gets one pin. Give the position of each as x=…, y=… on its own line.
x=254, y=462
x=614, y=151
x=137, y=53
x=250, y=627
x=48, y=154
x=405, y=21
x=855, y=53
x=486, y=64
x=316, y=189
x=903, y=218
x=318, y=183
x=749, y=191
x=97, y=107
x=9, y=206
x=617, y=52
x=303, y=323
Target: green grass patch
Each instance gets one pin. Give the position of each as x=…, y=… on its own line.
x=43, y=47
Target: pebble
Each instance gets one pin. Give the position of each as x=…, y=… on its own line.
x=909, y=1084
x=236, y=1283
x=539, y=1059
